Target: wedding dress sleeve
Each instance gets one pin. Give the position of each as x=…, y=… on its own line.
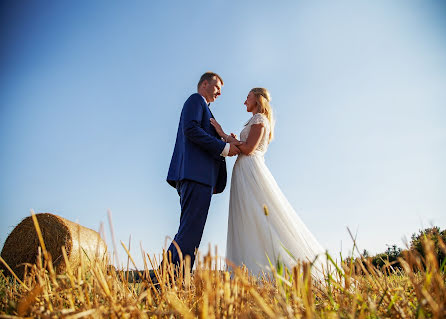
x=258, y=119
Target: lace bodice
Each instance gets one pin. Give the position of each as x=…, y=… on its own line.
x=257, y=119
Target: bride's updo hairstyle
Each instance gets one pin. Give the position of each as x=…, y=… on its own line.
x=263, y=98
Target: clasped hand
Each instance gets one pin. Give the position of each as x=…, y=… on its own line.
x=231, y=138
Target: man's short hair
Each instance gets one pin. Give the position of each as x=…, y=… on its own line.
x=208, y=76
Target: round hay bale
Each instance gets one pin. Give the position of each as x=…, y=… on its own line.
x=22, y=244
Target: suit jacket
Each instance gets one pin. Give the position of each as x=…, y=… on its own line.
x=196, y=155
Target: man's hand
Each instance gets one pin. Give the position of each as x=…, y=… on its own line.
x=233, y=149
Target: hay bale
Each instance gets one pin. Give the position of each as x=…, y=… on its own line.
x=22, y=244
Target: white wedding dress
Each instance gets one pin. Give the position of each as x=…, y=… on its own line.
x=253, y=236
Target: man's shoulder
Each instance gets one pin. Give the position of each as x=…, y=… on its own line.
x=195, y=98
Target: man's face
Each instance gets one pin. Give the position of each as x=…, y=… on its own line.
x=212, y=89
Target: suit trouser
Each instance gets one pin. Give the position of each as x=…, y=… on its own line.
x=195, y=199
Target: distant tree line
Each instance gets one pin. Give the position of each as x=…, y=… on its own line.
x=420, y=245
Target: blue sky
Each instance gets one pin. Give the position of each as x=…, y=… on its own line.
x=90, y=96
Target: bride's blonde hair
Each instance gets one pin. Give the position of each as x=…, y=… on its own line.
x=263, y=98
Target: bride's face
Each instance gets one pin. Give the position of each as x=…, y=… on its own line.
x=251, y=103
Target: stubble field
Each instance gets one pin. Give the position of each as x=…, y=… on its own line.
x=354, y=290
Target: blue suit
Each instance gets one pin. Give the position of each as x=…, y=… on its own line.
x=197, y=171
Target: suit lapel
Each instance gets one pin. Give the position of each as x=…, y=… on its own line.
x=209, y=109
x=212, y=127
x=214, y=132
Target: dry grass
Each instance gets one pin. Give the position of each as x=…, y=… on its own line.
x=358, y=290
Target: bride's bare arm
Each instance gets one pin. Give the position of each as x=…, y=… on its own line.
x=228, y=138
x=218, y=128
x=255, y=135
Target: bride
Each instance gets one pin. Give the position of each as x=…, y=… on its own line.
x=262, y=224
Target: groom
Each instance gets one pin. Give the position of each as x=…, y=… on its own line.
x=198, y=168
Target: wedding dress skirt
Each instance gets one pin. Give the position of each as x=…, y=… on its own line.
x=253, y=235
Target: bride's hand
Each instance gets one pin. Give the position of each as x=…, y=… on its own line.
x=231, y=138
x=218, y=128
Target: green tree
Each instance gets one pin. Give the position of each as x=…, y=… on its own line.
x=391, y=255
x=437, y=236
